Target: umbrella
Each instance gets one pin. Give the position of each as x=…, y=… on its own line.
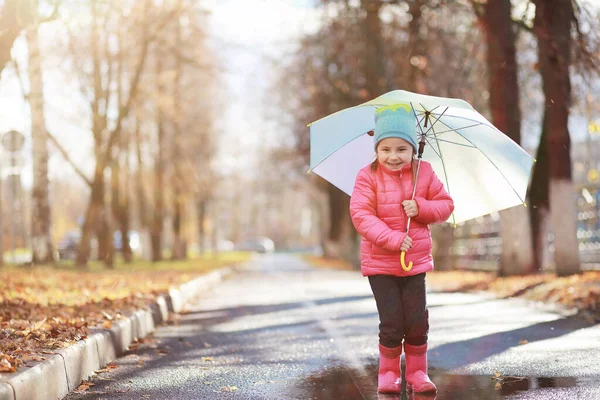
x=481, y=168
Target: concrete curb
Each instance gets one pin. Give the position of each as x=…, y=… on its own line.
x=63, y=371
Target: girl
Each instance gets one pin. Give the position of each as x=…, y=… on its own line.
x=380, y=207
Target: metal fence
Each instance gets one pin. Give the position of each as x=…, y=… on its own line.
x=477, y=243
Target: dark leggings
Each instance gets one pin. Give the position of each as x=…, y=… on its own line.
x=402, y=308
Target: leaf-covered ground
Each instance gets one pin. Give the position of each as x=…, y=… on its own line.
x=578, y=292
x=48, y=308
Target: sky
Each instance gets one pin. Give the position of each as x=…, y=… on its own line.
x=249, y=36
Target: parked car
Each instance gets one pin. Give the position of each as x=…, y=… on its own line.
x=259, y=244
x=67, y=246
x=134, y=240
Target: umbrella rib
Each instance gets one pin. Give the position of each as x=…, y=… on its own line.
x=417, y=118
x=430, y=111
x=452, y=130
x=433, y=148
x=451, y=142
x=444, y=169
x=470, y=119
x=435, y=122
x=495, y=166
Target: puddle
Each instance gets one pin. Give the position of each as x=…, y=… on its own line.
x=341, y=382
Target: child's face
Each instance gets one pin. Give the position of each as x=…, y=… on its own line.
x=394, y=153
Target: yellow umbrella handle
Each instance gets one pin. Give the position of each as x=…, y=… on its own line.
x=404, y=267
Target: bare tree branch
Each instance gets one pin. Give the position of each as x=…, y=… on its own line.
x=583, y=55
x=68, y=158
x=54, y=15
x=56, y=143
x=176, y=51
x=20, y=77
x=147, y=40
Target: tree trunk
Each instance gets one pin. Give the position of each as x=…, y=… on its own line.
x=126, y=251
x=552, y=27
x=443, y=239
x=178, y=241
x=374, y=59
x=179, y=247
x=41, y=239
x=92, y=214
x=539, y=198
x=215, y=237
x=120, y=208
x=342, y=241
x=141, y=193
x=106, y=248
x=416, y=48
x=516, y=256
x=201, y=213
x=159, y=169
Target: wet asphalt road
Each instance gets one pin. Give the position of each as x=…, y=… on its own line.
x=279, y=329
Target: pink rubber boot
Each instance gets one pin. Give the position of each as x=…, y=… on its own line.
x=416, y=369
x=388, y=379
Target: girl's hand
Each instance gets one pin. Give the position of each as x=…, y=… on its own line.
x=411, y=208
x=406, y=244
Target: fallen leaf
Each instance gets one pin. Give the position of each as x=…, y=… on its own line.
x=5, y=366
x=85, y=385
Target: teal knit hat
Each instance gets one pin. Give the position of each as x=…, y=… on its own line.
x=397, y=121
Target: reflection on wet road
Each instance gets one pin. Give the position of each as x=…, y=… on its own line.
x=342, y=382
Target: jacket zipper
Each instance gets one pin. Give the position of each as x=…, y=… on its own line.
x=402, y=191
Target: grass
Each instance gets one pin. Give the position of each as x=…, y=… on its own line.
x=64, y=283
x=204, y=263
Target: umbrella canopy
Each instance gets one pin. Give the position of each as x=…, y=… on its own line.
x=482, y=168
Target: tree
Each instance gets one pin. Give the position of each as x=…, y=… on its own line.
x=15, y=15
x=106, y=124
x=41, y=240
x=553, y=23
x=495, y=16
x=158, y=216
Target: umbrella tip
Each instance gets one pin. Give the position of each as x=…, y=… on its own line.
x=525, y=204
x=309, y=171
x=308, y=125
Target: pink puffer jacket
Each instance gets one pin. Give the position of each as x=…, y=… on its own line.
x=378, y=215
